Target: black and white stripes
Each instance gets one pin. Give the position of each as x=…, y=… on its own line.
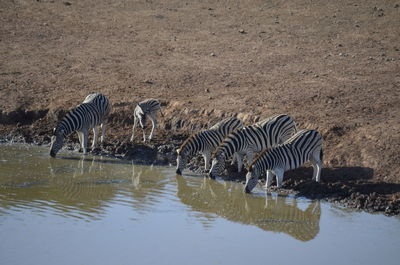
x=255, y=138
x=205, y=142
x=91, y=113
x=305, y=145
x=146, y=109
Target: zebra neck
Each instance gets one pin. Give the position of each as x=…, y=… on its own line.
x=67, y=126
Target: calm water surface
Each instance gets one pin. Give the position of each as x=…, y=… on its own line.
x=96, y=210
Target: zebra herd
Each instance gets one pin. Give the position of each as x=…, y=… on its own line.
x=280, y=145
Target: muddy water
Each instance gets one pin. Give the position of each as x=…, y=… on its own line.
x=96, y=210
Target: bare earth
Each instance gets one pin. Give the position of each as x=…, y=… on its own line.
x=332, y=65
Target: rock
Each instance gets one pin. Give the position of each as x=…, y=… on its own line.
x=242, y=31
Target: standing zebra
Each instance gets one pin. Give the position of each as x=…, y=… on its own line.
x=205, y=142
x=254, y=138
x=91, y=113
x=306, y=145
x=146, y=108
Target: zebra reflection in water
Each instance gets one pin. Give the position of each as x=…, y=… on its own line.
x=227, y=200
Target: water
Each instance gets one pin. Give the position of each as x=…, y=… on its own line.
x=96, y=210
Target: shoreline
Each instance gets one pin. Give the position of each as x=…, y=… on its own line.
x=335, y=186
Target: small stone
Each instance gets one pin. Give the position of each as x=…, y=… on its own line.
x=212, y=54
x=67, y=3
x=207, y=90
x=242, y=31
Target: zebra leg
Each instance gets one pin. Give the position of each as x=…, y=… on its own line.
x=95, y=135
x=85, y=141
x=154, y=123
x=234, y=159
x=144, y=135
x=133, y=128
x=249, y=157
x=239, y=161
x=268, y=179
x=279, y=177
x=317, y=165
x=207, y=156
x=103, y=132
x=80, y=138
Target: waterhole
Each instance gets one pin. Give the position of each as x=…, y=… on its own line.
x=77, y=209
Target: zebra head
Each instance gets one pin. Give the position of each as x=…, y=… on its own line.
x=251, y=178
x=142, y=117
x=181, y=160
x=56, y=141
x=217, y=166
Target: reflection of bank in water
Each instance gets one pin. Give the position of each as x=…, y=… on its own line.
x=148, y=187
x=65, y=187
x=227, y=200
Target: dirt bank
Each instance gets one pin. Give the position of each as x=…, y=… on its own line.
x=333, y=66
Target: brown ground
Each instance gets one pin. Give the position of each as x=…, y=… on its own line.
x=332, y=65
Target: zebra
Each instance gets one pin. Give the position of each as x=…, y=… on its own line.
x=205, y=142
x=93, y=112
x=254, y=138
x=144, y=109
x=305, y=145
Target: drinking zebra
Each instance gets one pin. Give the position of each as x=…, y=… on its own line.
x=254, y=138
x=205, y=142
x=306, y=145
x=144, y=109
x=91, y=113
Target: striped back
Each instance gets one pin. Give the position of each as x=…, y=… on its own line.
x=210, y=139
x=207, y=140
x=262, y=135
x=227, y=126
x=265, y=134
x=149, y=106
x=101, y=102
x=291, y=154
